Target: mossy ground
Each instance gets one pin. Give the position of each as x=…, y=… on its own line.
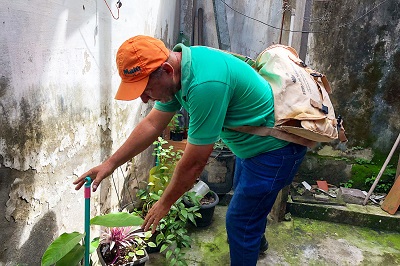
x=298, y=242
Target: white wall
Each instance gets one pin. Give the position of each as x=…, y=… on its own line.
x=57, y=113
x=253, y=25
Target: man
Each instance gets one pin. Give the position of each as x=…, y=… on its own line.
x=219, y=92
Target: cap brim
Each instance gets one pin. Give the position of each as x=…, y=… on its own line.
x=128, y=91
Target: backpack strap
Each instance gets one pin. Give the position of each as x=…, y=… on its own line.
x=275, y=132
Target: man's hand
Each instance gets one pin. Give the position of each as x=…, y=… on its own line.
x=153, y=217
x=97, y=174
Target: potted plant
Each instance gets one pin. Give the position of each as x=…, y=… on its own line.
x=166, y=159
x=176, y=132
x=123, y=246
x=219, y=171
x=171, y=236
x=68, y=249
x=206, y=203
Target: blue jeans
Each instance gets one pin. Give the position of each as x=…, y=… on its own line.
x=257, y=183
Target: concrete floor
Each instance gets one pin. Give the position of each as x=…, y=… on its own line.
x=300, y=241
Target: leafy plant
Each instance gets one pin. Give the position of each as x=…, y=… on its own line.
x=68, y=249
x=348, y=184
x=174, y=125
x=166, y=156
x=363, y=161
x=220, y=145
x=383, y=186
x=172, y=235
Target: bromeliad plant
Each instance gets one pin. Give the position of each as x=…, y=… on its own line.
x=124, y=244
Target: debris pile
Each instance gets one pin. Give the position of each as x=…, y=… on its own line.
x=325, y=193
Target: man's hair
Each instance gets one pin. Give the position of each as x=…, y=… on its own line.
x=157, y=73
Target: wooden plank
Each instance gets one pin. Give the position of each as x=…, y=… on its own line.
x=392, y=201
x=398, y=168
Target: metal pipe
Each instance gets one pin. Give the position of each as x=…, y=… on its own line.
x=382, y=170
x=200, y=13
x=284, y=6
x=291, y=27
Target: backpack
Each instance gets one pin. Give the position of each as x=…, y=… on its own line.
x=304, y=113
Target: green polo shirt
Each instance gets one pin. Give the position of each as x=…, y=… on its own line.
x=220, y=92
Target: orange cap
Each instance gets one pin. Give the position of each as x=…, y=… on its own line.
x=137, y=58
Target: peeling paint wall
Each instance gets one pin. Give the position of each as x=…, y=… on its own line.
x=58, y=116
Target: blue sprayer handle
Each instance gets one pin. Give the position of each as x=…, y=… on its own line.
x=87, y=219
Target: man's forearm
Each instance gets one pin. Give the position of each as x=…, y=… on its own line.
x=186, y=172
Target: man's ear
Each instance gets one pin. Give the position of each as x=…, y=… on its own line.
x=168, y=68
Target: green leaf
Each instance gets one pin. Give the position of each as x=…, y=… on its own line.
x=94, y=244
x=163, y=247
x=117, y=219
x=168, y=254
x=177, y=250
x=184, y=213
x=159, y=238
x=154, y=197
x=152, y=244
x=147, y=234
x=173, y=261
x=140, y=252
x=73, y=257
x=191, y=218
x=60, y=247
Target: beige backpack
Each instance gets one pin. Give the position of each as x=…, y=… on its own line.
x=303, y=111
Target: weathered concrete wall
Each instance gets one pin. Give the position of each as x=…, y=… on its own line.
x=356, y=44
x=254, y=25
x=57, y=113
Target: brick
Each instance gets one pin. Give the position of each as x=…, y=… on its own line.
x=351, y=195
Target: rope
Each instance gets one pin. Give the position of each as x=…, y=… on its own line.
x=118, y=5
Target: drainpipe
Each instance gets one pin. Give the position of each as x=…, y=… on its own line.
x=305, y=29
x=221, y=22
x=200, y=37
x=284, y=6
x=291, y=27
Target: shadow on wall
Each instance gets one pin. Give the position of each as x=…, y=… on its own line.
x=40, y=237
x=13, y=183
x=23, y=137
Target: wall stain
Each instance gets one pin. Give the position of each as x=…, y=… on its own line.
x=88, y=64
x=358, y=52
x=4, y=85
